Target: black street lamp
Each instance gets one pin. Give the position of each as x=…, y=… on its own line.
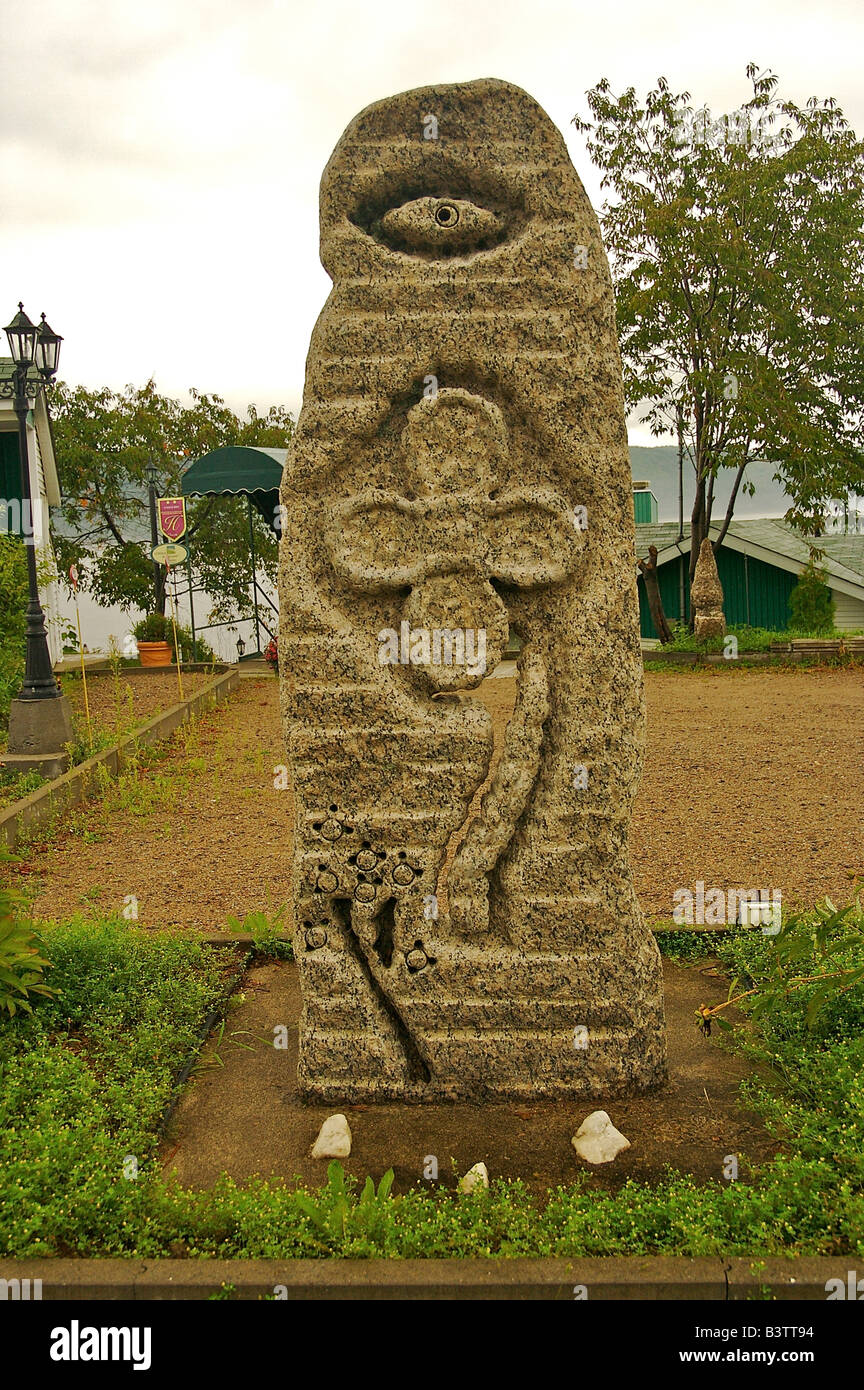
x=39, y=347
x=241, y=647
x=40, y=721
x=47, y=350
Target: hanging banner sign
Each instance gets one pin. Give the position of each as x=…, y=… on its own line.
x=172, y=517
x=169, y=554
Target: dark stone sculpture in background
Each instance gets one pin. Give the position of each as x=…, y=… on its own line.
x=706, y=594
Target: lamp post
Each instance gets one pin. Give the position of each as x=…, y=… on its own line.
x=152, y=479
x=241, y=647
x=39, y=720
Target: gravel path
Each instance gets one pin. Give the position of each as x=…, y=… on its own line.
x=753, y=779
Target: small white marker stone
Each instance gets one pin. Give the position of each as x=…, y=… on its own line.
x=477, y=1176
x=597, y=1140
x=334, y=1139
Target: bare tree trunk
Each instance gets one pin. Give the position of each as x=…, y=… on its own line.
x=652, y=593
x=731, y=508
x=161, y=589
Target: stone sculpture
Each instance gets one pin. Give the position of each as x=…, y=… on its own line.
x=706, y=594
x=460, y=471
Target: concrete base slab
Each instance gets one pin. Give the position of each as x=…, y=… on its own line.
x=242, y=1115
x=39, y=728
x=48, y=765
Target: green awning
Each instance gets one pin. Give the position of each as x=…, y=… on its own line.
x=235, y=469
x=239, y=470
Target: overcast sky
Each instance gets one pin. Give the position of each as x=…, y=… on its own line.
x=159, y=162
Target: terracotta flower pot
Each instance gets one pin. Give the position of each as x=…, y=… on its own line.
x=155, y=653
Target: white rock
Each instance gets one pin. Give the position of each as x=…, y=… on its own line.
x=597, y=1140
x=334, y=1139
x=477, y=1176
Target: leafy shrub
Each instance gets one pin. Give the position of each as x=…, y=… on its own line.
x=21, y=965
x=11, y=676
x=155, y=627
x=810, y=977
x=203, y=651
x=811, y=606
x=13, y=592
x=335, y=1215
x=267, y=932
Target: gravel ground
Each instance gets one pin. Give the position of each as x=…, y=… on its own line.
x=753, y=779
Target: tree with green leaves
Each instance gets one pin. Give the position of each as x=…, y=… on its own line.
x=737, y=253
x=104, y=441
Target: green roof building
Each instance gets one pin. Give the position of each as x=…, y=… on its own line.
x=758, y=564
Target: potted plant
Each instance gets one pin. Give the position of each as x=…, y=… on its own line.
x=271, y=655
x=152, y=636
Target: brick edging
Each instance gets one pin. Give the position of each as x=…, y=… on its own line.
x=87, y=778
x=658, y=1277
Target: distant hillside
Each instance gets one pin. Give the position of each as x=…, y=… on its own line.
x=659, y=467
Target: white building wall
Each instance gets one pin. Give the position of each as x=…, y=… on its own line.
x=100, y=624
x=49, y=595
x=848, y=611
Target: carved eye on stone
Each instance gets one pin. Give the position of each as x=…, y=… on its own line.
x=441, y=227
